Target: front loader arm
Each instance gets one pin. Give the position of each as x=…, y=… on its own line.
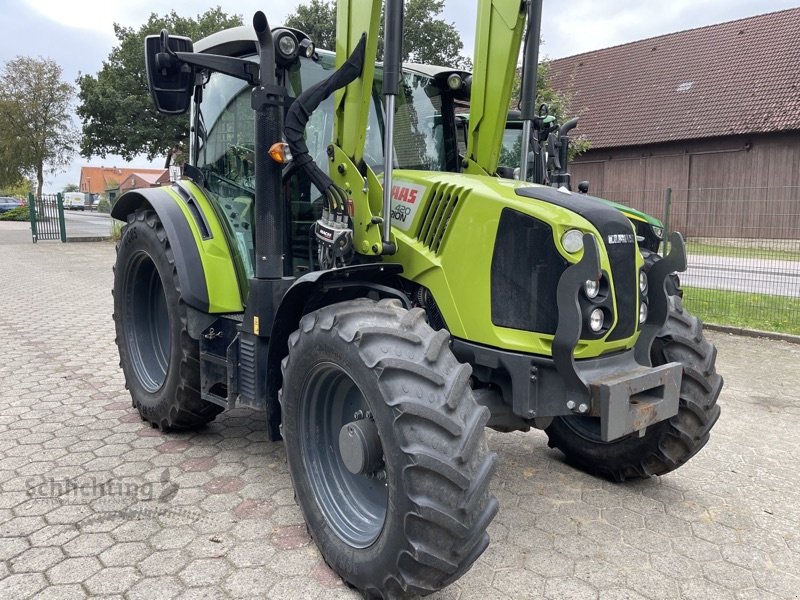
x=498, y=36
x=352, y=104
x=355, y=18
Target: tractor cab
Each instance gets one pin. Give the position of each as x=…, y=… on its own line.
x=222, y=140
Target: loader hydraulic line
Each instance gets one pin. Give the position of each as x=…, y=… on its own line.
x=297, y=119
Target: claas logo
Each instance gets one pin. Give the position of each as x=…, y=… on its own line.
x=404, y=194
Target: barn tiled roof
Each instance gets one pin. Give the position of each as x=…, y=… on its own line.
x=97, y=180
x=738, y=77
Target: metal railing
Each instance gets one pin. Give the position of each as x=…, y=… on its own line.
x=744, y=251
x=47, y=217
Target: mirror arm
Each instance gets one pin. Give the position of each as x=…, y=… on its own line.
x=228, y=65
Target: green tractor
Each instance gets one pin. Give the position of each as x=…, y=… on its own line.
x=330, y=257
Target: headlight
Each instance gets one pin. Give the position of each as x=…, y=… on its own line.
x=307, y=47
x=642, y=312
x=596, y=319
x=454, y=82
x=572, y=241
x=642, y=282
x=287, y=45
x=592, y=288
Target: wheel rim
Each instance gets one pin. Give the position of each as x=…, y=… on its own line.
x=586, y=427
x=147, y=323
x=354, y=505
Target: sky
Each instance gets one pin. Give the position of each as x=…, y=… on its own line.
x=78, y=34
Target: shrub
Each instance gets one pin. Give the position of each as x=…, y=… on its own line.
x=116, y=230
x=21, y=213
x=104, y=206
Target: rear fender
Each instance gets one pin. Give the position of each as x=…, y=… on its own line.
x=202, y=253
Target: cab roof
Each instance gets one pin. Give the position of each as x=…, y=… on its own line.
x=240, y=41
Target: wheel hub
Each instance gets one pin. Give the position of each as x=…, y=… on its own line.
x=360, y=446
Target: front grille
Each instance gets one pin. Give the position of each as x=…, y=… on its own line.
x=626, y=280
x=436, y=218
x=526, y=268
x=613, y=226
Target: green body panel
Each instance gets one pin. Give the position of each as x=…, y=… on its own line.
x=458, y=272
x=632, y=213
x=498, y=36
x=353, y=19
x=365, y=194
x=224, y=293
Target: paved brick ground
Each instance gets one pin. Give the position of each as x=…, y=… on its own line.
x=211, y=514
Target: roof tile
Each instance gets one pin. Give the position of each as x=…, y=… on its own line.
x=737, y=77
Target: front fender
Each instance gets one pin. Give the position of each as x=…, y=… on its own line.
x=203, y=256
x=311, y=292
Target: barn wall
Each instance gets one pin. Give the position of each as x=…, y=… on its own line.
x=717, y=184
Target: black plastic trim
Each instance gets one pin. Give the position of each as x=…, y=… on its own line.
x=658, y=302
x=191, y=276
x=570, y=318
x=610, y=223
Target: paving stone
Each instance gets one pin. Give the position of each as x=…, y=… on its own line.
x=250, y=583
x=156, y=588
x=112, y=580
x=62, y=592
x=163, y=562
x=22, y=585
x=88, y=544
x=205, y=572
x=219, y=519
x=37, y=559
x=124, y=554
x=74, y=570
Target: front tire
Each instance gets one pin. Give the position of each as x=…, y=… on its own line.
x=668, y=444
x=413, y=518
x=159, y=358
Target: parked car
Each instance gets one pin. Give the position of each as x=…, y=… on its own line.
x=7, y=203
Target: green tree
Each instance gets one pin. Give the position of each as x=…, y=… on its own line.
x=318, y=20
x=116, y=109
x=18, y=190
x=557, y=105
x=72, y=187
x=36, y=112
x=12, y=164
x=427, y=38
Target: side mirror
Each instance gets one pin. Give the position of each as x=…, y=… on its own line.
x=171, y=81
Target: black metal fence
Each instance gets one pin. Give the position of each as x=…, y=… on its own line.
x=744, y=251
x=47, y=217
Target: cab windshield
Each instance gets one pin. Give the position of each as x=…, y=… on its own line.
x=222, y=146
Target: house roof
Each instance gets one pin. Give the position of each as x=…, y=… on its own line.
x=150, y=178
x=96, y=180
x=739, y=77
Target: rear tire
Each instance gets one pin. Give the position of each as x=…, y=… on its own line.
x=159, y=358
x=668, y=444
x=672, y=283
x=417, y=520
